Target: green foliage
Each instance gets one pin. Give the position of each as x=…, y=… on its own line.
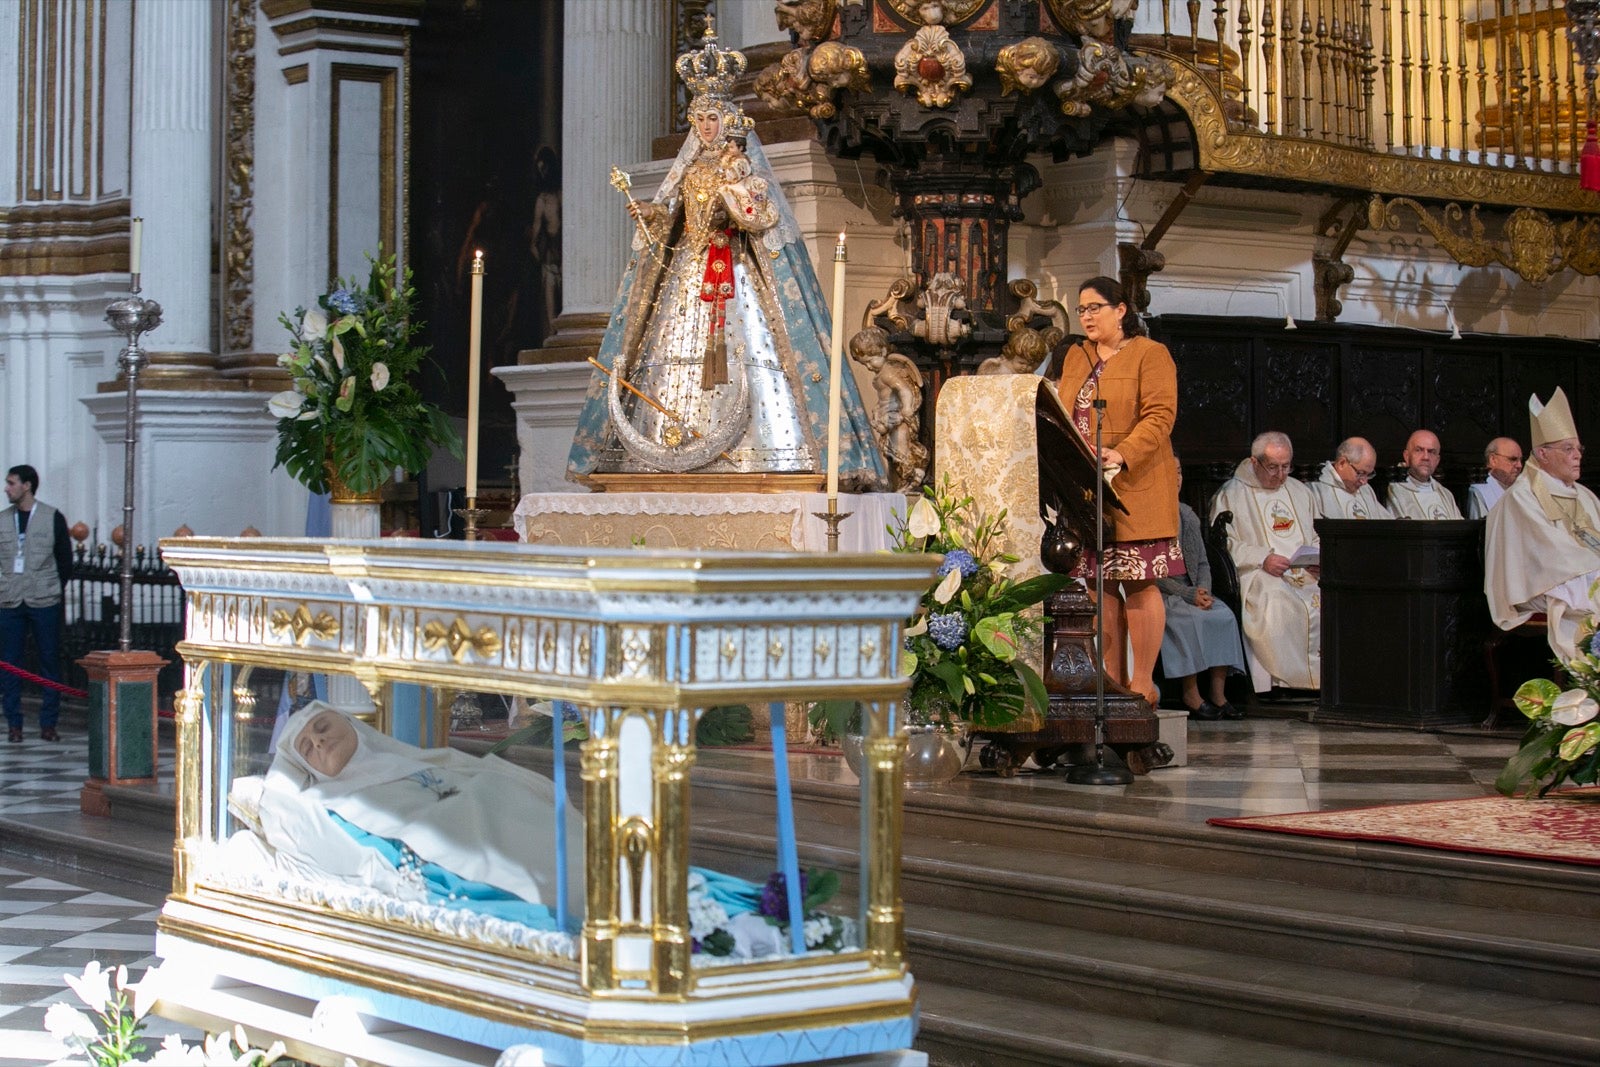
x=832, y=719
x=1563, y=739
x=353, y=403
x=963, y=648
x=728, y=724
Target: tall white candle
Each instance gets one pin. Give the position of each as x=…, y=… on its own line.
x=474, y=346
x=836, y=366
x=135, y=245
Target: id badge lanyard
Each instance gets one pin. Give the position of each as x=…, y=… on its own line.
x=22, y=540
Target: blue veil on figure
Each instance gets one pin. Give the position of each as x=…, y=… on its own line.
x=668, y=337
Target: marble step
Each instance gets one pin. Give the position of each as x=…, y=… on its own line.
x=1081, y=832
x=965, y=1027
x=1365, y=933
x=1300, y=1004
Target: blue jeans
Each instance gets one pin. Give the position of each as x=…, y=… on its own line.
x=46, y=626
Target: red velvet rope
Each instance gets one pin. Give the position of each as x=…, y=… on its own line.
x=28, y=676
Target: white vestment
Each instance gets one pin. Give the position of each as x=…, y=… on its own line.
x=1481, y=496
x=1282, y=616
x=1410, y=499
x=1334, y=501
x=1536, y=559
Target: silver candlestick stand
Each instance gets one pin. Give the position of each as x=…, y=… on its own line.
x=130, y=316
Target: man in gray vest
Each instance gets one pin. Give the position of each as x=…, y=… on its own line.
x=35, y=563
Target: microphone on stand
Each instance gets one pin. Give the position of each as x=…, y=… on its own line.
x=1098, y=773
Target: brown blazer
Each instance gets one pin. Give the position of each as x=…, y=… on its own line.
x=1140, y=388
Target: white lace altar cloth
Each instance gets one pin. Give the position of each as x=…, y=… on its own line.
x=767, y=522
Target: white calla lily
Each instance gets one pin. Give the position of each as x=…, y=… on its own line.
x=285, y=405
x=338, y=352
x=380, y=376
x=1574, y=708
x=923, y=520
x=68, y=1025
x=314, y=325
x=948, y=587
x=93, y=986
x=920, y=628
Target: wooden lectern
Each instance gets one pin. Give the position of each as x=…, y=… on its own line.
x=1404, y=620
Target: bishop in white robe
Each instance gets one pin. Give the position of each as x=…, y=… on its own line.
x=1542, y=541
x=1282, y=616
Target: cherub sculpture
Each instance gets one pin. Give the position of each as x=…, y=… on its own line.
x=897, y=418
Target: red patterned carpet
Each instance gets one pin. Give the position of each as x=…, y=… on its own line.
x=1563, y=827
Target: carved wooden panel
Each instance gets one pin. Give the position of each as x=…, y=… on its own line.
x=1323, y=383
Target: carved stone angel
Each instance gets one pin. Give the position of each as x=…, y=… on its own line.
x=896, y=419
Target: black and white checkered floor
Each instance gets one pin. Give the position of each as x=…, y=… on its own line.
x=52, y=923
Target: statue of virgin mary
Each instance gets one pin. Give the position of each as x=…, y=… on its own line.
x=715, y=355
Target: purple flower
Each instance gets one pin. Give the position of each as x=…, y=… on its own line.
x=345, y=301
x=775, y=896
x=958, y=557
x=1594, y=644
x=948, y=631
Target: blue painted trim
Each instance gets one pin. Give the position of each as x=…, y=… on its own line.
x=788, y=854
x=406, y=720
x=224, y=744
x=558, y=775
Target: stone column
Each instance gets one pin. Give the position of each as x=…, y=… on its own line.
x=172, y=157
x=615, y=87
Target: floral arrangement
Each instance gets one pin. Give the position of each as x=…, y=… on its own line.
x=765, y=931
x=353, y=412
x=112, y=1037
x=963, y=647
x=1563, y=738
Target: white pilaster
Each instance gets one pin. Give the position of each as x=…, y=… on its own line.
x=614, y=86
x=172, y=166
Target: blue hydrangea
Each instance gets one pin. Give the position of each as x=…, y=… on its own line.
x=958, y=557
x=948, y=631
x=1594, y=645
x=345, y=301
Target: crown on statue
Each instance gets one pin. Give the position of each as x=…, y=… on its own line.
x=710, y=73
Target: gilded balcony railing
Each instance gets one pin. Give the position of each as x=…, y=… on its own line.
x=1489, y=83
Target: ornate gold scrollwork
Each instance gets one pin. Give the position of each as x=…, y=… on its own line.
x=460, y=639
x=1530, y=242
x=303, y=625
x=933, y=66
x=1026, y=65
x=823, y=650
x=775, y=650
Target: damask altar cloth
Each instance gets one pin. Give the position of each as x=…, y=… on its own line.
x=765, y=522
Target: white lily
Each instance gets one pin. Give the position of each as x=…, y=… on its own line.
x=923, y=520
x=174, y=1053
x=145, y=992
x=948, y=587
x=93, y=986
x=1574, y=708
x=68, y=1025
x=314, y=325
x=380, y=376
x=920, y=628
x=338, y=352
x=285, y=405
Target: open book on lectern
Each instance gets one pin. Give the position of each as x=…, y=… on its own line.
x=1068, y=464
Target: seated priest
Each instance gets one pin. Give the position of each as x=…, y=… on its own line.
x=1343, y=490
x=1542, y=541
x=1282, y=604
x=1419, y=495
x=1503, y=457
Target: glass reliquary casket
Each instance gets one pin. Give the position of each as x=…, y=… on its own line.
x=348, y=883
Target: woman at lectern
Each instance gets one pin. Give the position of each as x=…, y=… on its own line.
x=1137, y=382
